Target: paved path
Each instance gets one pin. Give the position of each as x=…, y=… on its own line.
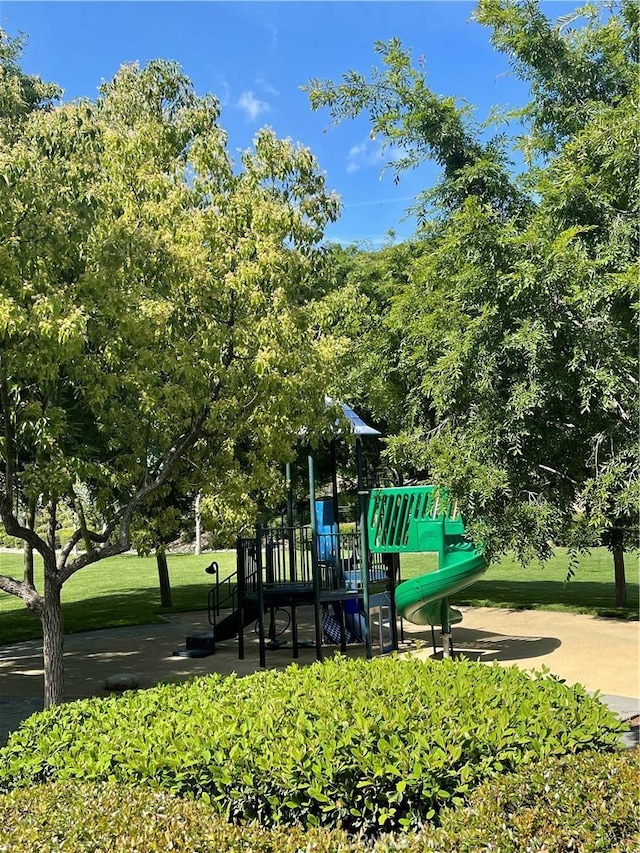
x=601, y=654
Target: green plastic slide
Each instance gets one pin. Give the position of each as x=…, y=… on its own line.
x=418, y=519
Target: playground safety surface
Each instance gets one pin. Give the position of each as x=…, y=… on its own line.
x=601, y=654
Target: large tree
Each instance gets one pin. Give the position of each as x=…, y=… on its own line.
x=518, y=324
x=154, y=303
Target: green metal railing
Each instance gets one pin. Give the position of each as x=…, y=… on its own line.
x=412, y=519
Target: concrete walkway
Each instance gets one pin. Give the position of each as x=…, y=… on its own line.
x=601, y=654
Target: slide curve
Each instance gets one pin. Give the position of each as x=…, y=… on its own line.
x=420, y=600
x=423, y=519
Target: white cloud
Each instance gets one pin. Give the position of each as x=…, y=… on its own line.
x=361, y=156
x=222, y=90
x=369, y=154
x=273, y=32
x=265, y=85
x=251, y=106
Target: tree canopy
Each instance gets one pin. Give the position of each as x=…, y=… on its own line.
x=156, y=306
x=517, y=325
x=168, y=317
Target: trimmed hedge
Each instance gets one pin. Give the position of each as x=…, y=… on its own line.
x=584, y=803
x=366, y=746
x=86, y=818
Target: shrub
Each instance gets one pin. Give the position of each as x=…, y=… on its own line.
x=86, y=818
x=585, y=803
x=362, y=745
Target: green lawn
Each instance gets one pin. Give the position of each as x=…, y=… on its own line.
x=119, y=591
x=544, y=587
x=124, y=590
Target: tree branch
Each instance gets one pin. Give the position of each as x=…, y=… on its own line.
x=68, y=547
x=125, y=513
x=557, y=473
x=9, y=519
x=28, y=549
x=52, y=509
x=11, y=585
x=14, y=528
x=24, y=591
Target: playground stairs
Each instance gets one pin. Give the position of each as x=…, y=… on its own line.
x=197, y=646
x=222, y=596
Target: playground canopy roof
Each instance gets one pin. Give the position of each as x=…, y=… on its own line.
x=358, y=426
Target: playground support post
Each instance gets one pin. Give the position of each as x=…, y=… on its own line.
x=315, y=568
x=260, y=591
x=290, y=531
x=364, y=545
x=446, y=628
x=392, y=564
x=240, y=596
x=292, y=555
x=336, y=512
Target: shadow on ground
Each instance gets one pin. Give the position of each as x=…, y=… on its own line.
x=571, y=645
x=486, y=646
x=141, y=605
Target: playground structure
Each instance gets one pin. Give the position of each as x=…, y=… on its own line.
x=351, y=580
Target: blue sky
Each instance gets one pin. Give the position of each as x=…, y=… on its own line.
x=255, y=56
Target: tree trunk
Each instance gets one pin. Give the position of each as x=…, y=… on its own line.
x=28, y=550
x=198, y=548
x=618, y=567
x=163, y=575
x=52, y=641
x=28, y=563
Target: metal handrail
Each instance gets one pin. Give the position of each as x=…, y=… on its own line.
x=286, y=558
x=216, y=600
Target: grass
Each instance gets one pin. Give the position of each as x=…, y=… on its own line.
x=119, y=591
x=544, y=587
x=124, y=590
